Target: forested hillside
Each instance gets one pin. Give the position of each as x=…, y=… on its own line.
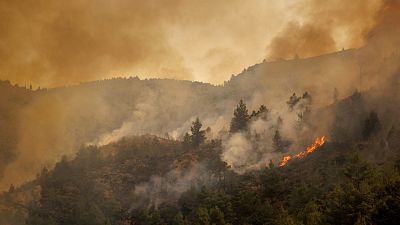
x=45, y=124
x=352, y=178
x=136, y=112
x=301, y=141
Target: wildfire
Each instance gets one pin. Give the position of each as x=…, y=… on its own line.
x=317, y=143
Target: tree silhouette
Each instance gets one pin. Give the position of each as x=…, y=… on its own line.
x=198, y=135
x=277, y=142
x=293, y=100
x=372, y=126
x=240, y=118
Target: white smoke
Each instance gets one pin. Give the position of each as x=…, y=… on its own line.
x=162, y=189
x=253, y=149
x=133, y=126
x=238, y=153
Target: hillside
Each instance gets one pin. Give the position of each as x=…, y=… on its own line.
x=152, y=180
x=12, y=100
x=353, y=178
x=130, y=151
x=136, y=112
x=49, y=123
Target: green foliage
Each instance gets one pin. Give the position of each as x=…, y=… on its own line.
x=331, y=186
x=311, y=214
x=349, y=119
x=217, y=216
x=372, y=126
x=240, y=118
x=284, y=218
x=179, y=220
x=198, y=135
x=70, y=196
x=203, y=218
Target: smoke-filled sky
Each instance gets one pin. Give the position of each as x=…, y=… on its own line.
x=53, y=43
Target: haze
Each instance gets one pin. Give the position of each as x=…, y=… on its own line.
x=57, y=43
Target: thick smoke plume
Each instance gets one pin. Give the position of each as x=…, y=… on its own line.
x=324, y=27
x=254, y=149
x=48, y=43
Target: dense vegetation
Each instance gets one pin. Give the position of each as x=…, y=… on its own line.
x=150, y=180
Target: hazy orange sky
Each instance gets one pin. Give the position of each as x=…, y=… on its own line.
x=52, y=43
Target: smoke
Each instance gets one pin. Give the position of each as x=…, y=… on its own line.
x=142, y=119
x=53, y=125
x=324, y=27
x=47, y=43
x=304, y=39
x=168, y=188
x=238, y=153
x=387, y=27
x=253, y=149
x=57, y=43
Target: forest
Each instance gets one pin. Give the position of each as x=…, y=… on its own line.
x=352, y=178
x=212, y=112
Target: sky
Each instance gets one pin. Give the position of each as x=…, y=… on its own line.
x=55, y=43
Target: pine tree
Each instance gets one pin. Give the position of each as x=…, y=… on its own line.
x=277, y=143
x=311, y=214
x=293, y=100
x=261, y=113
x=240, y=118
x=217, y=216
x=178, y=220
x=198, y=135
x=187, y=140
x=372, y=126
x=203, y=217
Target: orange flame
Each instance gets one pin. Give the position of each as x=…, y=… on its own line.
x=317, y=143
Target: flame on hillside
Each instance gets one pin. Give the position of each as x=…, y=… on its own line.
x=317, y=143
